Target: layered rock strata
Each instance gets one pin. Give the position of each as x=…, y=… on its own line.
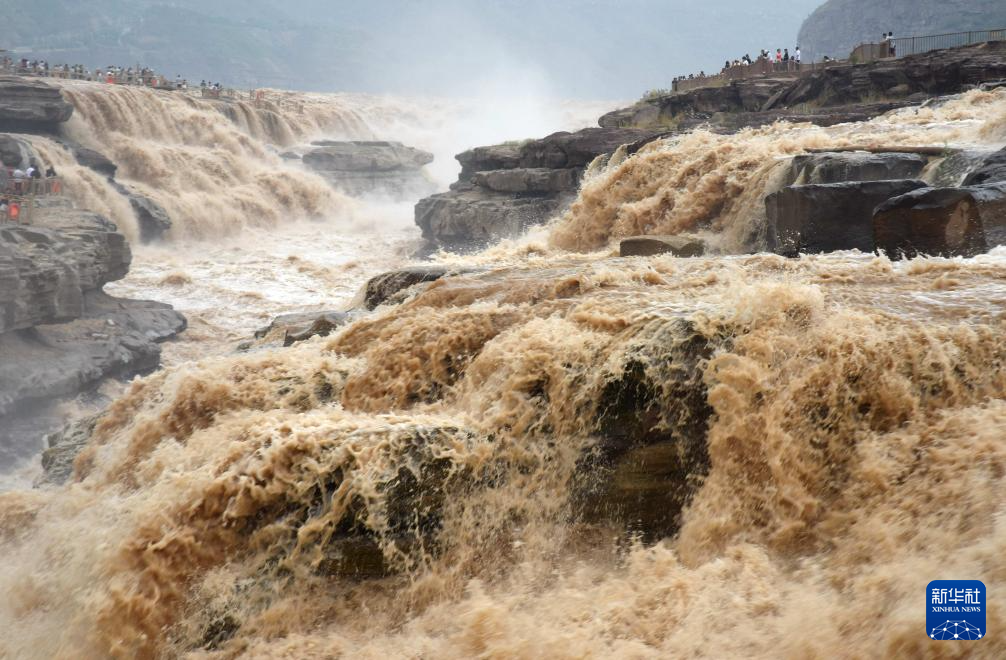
x=505, y=189
x=59, y=332
x=371, y=168
x=31, y=106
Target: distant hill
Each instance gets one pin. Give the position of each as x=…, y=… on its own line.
x=838, y=26
x=577, y=48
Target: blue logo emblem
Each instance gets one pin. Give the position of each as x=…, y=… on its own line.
x=955, y=609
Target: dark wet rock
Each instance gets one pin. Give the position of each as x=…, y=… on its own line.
x=301, y=326
x=321, y=327
x=942, y=221
x=95, y=160
x=836, y=167
x=152, y=219
x=299, y=322
x=647, y=246
x=505, y=189
x=652, y=420
x=383, y=288
x=991, y=170
x=31, y=106
x=827, y=217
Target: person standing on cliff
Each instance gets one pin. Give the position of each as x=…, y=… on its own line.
x=797, y=57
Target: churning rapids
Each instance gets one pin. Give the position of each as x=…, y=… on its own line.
x=450, y=477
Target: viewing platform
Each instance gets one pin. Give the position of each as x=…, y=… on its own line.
x=18, y=195
x=861, y=54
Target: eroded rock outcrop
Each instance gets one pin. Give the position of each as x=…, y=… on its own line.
x=375, y=167
x=59, y=332
x=31, y=106
x=505, y=189
x=48, y=266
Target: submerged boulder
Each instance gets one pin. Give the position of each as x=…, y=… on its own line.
x=652, y=419
x=828, y=217
x=647, y=246
x=942, y=221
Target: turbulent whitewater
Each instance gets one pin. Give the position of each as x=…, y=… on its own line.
x=431, y=480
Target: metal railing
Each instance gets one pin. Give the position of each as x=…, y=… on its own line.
x=865, y=52
x=18, y=197
x=914, y=45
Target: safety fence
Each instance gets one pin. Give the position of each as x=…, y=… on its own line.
x=914, y=45
x=18, y=197
x=865, y=52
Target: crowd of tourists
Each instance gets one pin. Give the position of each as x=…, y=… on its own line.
x=781, y=60
x=111, y=74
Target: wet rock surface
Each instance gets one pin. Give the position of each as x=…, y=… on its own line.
x=301, y=326
x=836, y=167
x=385, y=287
x=152, y=219
x=942, y=221
x=991, y=170
x=92, y=158
x=505, y=189
x=62, y=449
x=826, y=217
